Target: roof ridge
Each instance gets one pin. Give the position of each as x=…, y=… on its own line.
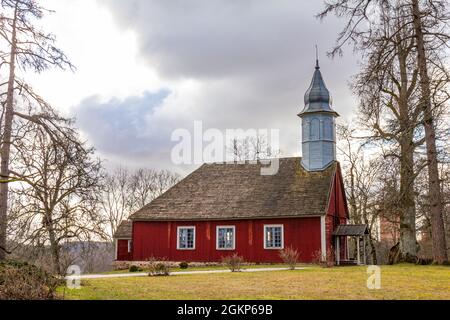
x=251, y=161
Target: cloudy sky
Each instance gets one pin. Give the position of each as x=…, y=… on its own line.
x=146, y=68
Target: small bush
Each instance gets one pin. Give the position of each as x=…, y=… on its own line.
x=328, y=262
x=233, y=262
x=184, y=265
x=134, y=269
x=158, y=268
x=22, y=281
x=290, y=257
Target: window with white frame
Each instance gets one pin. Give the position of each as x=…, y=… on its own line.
x=226, y=238
x=186, y=238
x=273, y=237
x=130, y=245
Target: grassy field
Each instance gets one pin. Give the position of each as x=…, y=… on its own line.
x=397, y=282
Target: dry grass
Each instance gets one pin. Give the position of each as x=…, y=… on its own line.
x=398, y=282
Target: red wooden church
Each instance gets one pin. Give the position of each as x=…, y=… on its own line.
x=221, y=209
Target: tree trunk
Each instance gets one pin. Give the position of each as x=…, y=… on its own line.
x=55, y=256
x=394, y=254
x=54, y=246
x=408, y=237
x=373, y=250
x=437, y=220
x=6, y=144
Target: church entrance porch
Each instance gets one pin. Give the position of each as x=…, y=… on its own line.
x=342, y=236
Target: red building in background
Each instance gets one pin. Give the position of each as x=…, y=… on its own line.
x=389, y=230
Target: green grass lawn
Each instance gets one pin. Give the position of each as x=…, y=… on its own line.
x=397, y=282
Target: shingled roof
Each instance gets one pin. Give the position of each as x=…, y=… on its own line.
x=239, y=191
x=124, y=230
x=351, y=230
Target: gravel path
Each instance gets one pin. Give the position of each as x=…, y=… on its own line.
x=133, y=275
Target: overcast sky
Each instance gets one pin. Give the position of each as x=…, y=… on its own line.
x=146, y=68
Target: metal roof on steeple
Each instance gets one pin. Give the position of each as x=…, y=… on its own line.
x=317, y=98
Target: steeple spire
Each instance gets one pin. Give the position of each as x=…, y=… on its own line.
x=318, y=97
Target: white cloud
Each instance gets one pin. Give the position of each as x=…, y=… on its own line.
x=230, y=64
x=105, y=54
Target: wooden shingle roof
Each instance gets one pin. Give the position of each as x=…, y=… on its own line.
x=124, y=230
x=239, y=191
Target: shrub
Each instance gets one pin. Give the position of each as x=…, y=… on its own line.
x=328, y=262
x=233, y=262
x=150, y=260
x=22, y=281
x=184, y=265
x=134, y=268
x=290, y=257
x=158, y=268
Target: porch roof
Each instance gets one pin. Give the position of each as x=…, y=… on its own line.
x=351, y=230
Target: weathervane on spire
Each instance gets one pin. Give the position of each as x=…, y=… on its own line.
x=317, y=57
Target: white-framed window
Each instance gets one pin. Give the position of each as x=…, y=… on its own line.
x=226, y=238
x=130, y=245
x=274, y=237
x=186, y=238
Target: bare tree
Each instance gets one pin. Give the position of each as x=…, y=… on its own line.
x=423, y=33
x=59, y=193
x=424, y=226
x=390, y=109
x=126, y=192
x=251, y=148
x=362, y=174
x=116, y=201
x=430, y=21
x=160, y=182
x=30, y=49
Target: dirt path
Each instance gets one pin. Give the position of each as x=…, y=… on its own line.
x=133, y=275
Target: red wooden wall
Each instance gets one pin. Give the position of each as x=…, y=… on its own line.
x=337, y=213
x=159, y=239
x=122, y=251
